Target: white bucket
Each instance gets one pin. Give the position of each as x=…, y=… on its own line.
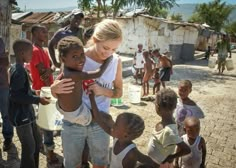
x=229, y=64
x=49, y=117
x=134, y=94
x=211, y=62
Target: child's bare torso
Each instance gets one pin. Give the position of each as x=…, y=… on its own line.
x=164, y=62
x=72, y=101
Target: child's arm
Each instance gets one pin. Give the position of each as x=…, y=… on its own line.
x=183, y=150
x=135, y=155
x=103, y=119
x=44, y=73
x=91, y=74
x=203, y=146
x=176, y=160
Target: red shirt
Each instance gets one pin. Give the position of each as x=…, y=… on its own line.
x=39, y=55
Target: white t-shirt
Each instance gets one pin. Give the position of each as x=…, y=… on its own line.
x=106, y=81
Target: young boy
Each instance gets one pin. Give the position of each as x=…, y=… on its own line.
x=21, y=112
x=71, y=53
x=139, y=62
x=148, y=72
x=165, y=65
x=186, y=107
x=157, y=82
x=195, y=142
x=40, y=68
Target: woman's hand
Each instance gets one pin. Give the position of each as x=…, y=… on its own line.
x=97, y=90
x=63, y=86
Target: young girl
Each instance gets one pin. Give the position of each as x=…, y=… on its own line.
x=125, y=129
x=165, y=138
x=196, y=143
x=186, y=107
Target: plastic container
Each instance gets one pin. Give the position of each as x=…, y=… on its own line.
x=229, y=64
x=49, y=118
x=211, y=62
x=116, y=102
x=134, y=94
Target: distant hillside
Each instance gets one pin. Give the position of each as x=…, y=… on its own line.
x=52, y=9
x=187, y=10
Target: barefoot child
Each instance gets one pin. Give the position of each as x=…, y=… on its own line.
x=186, y=107
x=161, y=147
x=71, y=53
x=165, y=65
x=21, y=112
x=157, y=82
x=139, y=63
x=196, y=143
x=148, y=72
x=125, y=129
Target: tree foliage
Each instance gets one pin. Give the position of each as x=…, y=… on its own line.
x=153, y=7
x=231, y=28
x=176, y=17
x=214, y=13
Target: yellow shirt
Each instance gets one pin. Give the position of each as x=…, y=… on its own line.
x=163, y=143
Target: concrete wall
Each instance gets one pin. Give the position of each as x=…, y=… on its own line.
x=16, y=33
x=154, y=33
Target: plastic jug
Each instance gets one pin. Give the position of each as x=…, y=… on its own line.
x=211, y=62
x=134, y=94
x=49, y=117
x=229, y=64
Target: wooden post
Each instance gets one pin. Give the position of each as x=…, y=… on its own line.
x=5, y=22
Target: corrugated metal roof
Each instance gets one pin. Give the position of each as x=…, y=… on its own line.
x=19, y=16
x=43, y=17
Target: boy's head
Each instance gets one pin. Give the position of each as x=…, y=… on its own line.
x=23, y=49
x=71, y=52
x=184, y=88
x=140, y=47
x=156, y=53
x=192, y=127
x=165, y=102
x=128, y=126
x=40, y=33
x=77, y=17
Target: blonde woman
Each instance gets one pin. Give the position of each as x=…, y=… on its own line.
x=105, y=40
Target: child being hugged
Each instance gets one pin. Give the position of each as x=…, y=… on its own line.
x=125, y=129
x=186, y=107
x=165, y=138
x=196, y=143
x=72, y=56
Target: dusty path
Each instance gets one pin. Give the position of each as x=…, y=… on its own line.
x=215, y=94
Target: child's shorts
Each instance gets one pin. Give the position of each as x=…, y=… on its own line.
x=80, y=116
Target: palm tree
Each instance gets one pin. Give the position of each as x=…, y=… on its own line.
x=214, y=13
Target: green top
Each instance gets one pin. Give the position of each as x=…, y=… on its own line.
x=223, y=48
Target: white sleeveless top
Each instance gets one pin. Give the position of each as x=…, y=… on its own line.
x=194, y=159
x=139, y=60
x=116, y=160
x=106, y=81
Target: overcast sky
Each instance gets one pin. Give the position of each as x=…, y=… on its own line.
x=44, y=4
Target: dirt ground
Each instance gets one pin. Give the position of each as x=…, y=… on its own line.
x=215, y=94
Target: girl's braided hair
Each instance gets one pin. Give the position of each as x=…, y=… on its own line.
x=135, y=124
x=68, y=43
x=167, y=99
